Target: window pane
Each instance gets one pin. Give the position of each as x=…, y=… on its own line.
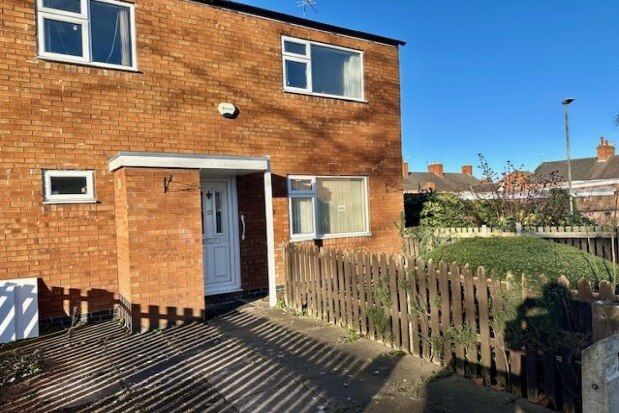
x=296, y=48
x=296, y=74
x=301, y=184
x=218, y=213
x=336, y=72
x=72, y=6
x=302, y=216
x=63, y=38
x=111, y=33
x=68, y=185
x=341, y=205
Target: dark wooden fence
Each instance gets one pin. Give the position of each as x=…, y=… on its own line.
x=444, y=313
x=599, y=241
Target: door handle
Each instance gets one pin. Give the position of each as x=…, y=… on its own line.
x=243, y=226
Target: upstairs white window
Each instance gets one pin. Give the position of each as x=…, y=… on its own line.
x=96, y=32
x=68, y=186
x=328, y=207
x=322, y=70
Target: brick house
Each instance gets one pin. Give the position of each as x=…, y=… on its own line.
x=595, y=181
x=436, y=179
x=155, y=152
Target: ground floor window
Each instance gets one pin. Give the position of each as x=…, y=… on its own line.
x=68, y=186
x=328, y=207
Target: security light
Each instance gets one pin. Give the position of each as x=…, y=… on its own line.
x=228, y=110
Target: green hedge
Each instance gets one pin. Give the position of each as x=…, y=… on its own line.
x=525, y=255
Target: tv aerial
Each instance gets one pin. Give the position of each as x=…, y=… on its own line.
x=305, y=4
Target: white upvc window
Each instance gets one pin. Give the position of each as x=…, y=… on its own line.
x=322, y=70
x=68, y=187
x=328, y=207
x=94, y=32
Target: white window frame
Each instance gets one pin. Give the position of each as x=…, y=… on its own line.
x=83, y=14
x=83, y=19
x=307, y=58
x=304, y=194
x=49, y=198
x=295, y=57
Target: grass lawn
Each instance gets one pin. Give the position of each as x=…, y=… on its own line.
x=524, y=255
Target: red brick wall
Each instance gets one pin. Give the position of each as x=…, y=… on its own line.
x=191, y=57
x=602, y=209
x=160, y=259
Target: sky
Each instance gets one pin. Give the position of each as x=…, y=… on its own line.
x=488, y=76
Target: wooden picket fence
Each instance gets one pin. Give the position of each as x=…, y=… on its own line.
x=443, y=313
x=596, y=240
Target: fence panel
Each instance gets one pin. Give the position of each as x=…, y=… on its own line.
x=424, y=314
x=456, y=296
x=403, y=301
x=484, y=323
x=445, y=307
x=598, y=241
x=443, y=313
x=471, y=321
x=413, y=297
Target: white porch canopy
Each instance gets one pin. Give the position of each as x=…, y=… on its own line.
x=216, y=164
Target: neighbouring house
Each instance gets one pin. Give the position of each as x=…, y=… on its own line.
x=437, y=180
x=155, y=152
x=595, y=181
x=515, y=181
x=418, y=186
x=512, y=185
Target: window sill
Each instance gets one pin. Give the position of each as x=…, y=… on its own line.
x=323, y=95
x=70, y=201
x=88, y=64
x=334, y=236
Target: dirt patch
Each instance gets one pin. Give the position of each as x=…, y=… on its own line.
x=16, y=366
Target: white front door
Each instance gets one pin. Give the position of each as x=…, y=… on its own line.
x=220, y=240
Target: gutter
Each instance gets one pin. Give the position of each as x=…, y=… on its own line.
x=287, y=18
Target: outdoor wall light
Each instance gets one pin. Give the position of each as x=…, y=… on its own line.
x=228, y=110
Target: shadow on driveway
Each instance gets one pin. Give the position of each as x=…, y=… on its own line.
x=252, y=359
x=236, y=362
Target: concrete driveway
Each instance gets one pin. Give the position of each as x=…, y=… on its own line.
x=252, y=359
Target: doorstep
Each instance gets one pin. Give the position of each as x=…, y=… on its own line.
x=219, y=304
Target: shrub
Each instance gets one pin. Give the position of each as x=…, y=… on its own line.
x=446, y=210
x=525, y=255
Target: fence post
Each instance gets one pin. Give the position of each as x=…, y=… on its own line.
x=518, y=228
x=605, y=319
x=484, y=231
x=600, y=382
x=287, y=271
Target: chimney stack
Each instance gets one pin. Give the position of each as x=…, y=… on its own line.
x=436, y=169
x=605, y=150
x=404, y=169
x=467, y=170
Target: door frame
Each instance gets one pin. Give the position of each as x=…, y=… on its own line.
x=233, y=227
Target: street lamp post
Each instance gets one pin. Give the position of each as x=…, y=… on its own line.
x=566, y=103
